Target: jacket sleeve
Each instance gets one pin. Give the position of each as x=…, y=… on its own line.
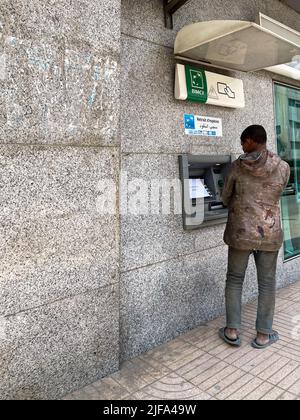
x=228, y=189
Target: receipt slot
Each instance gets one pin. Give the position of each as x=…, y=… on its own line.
x=203, y=178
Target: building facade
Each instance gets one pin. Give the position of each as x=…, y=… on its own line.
x=87, y=94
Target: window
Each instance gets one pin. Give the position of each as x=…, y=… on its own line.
x=287, y=107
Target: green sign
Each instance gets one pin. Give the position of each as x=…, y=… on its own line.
x=196, y=84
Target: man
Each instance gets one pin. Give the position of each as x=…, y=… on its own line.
x=252, y=193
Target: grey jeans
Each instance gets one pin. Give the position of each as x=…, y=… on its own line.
x=266, y=263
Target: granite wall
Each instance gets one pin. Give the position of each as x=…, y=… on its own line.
x=173, y=280
x=59, y=136
x=81, y=291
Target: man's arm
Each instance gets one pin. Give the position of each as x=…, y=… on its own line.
x=228, y=189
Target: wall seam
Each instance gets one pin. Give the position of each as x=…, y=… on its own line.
x=177, y=257
x=146, y=40
x=71, y=296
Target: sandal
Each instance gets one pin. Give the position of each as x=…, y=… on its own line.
x=236, y=342
x=273, y=338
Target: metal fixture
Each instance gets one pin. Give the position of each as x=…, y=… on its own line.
x=170, y=7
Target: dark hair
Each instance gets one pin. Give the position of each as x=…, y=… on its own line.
x=255, y=132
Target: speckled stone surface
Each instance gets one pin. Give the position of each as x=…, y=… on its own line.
x=199, y=365
x=288, y=272
x=159, y=118
x=53, y=241
x=60, y=77
x=59, y=86
x=153, y=295
x=55, y=18
x=59, y=347
x=161, y=301
x=146, y=19
x=147, y=239
x=59, y=256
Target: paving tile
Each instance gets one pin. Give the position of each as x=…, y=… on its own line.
x=287, y=396
x=264, y=365
x=283, y=373
x=171, y=387
x=290, y=352
x=211, y=372
x=152, y=366
x=295, y=389
x=290, y=380
x=213, y=346
x=212, y=339
x=186, y=359
x=201, y=369
x=108, y=388
x=250, y=360
x=259, y=392
x=234, y=387
x=237, y=354
x=218, y=379
x=293, y=345
x=246, y=389
x=273, y=394
x=172, y=352
x=289, y=355
x=229, y=381
x=199, y=366
x=81, y=395
x=198, y=335
x=271, y=371
x=133, y=377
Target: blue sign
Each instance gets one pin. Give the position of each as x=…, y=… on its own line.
x=197, y=125
x=189, y=122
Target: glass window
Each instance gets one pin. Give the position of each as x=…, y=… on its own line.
x=287, y=106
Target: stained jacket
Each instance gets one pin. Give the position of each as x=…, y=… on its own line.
x=252, y=193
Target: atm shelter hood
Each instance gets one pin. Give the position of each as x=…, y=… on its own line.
x=238, y=45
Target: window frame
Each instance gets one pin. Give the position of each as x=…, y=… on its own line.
x=295, y=87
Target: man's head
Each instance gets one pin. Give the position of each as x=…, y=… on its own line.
x=254, y=139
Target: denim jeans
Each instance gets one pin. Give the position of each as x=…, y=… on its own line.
x=266, y=263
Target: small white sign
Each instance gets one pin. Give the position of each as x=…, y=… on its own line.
x=196, y=125
x=197, y=189
x=224, y=91
x=220, y=90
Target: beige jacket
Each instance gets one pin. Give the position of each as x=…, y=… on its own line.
x=252, y=193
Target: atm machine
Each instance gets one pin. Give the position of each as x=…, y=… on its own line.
x=203, y=178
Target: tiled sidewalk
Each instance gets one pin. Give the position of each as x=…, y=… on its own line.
x=199, y=366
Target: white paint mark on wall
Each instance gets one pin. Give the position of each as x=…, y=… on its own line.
x=3, y=59
x=72, y=129
x=3, y=328
x=92, y=96
x=11, y=40
x=69, y=92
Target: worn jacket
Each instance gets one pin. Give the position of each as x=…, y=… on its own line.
x=252, y=193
